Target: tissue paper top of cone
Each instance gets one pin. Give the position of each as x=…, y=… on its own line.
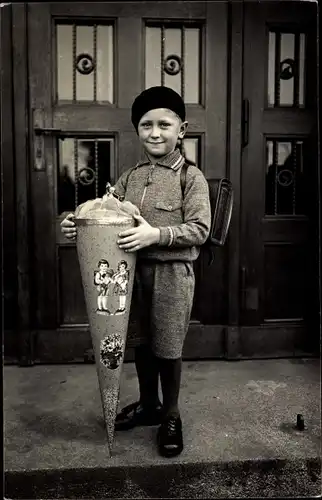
x=108, y=208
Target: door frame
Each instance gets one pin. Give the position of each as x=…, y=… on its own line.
x=234, y=166
x=24, y=336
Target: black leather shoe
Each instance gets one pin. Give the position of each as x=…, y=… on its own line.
x=169, y=437
x=135, y=415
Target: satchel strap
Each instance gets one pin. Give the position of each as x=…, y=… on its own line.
x=183, y=177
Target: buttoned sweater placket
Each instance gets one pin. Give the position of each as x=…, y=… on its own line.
x=147, y=182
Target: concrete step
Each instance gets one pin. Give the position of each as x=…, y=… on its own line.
x=257, y=478
x=239, y=431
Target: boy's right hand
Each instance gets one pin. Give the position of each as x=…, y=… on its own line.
x=68, y=227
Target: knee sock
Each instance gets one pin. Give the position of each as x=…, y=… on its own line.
x=148, y=375
x=170, y=375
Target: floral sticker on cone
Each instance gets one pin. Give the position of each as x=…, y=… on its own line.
x=111, y=351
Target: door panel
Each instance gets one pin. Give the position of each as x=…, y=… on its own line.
x=87, y=63
x=279, y=176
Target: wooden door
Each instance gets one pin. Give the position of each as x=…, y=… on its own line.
x=87, y=62
x=279, y=266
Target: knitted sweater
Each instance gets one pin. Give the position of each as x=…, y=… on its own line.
x=184, y=223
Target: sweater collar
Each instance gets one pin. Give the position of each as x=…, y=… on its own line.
x=172, y=160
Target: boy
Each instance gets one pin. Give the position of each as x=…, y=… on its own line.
x=103, y=279
x=167, y=237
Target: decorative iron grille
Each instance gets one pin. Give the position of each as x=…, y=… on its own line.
x=85, y=166
x=286, y=181
x=85, y=62
x=173, y=58
x=286, y=68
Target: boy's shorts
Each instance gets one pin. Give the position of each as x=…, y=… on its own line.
x=161, y=306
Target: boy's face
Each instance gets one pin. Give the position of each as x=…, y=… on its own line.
x=159, y=130
x=103, y=268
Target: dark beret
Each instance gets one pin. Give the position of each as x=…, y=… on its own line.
x=157, y=97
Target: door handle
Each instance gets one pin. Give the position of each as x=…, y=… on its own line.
x=245, y=122
x=47, y=131
x=40, y=130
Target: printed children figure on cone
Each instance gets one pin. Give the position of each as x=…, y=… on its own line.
x=103, y=278
x=121, y=281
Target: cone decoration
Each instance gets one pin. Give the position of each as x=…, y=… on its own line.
x=107, y=276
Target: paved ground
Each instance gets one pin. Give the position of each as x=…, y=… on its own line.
x=239, y=430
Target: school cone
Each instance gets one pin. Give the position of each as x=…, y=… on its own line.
x=107, y=275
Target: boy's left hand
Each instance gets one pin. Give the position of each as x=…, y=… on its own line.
x=139, y=237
